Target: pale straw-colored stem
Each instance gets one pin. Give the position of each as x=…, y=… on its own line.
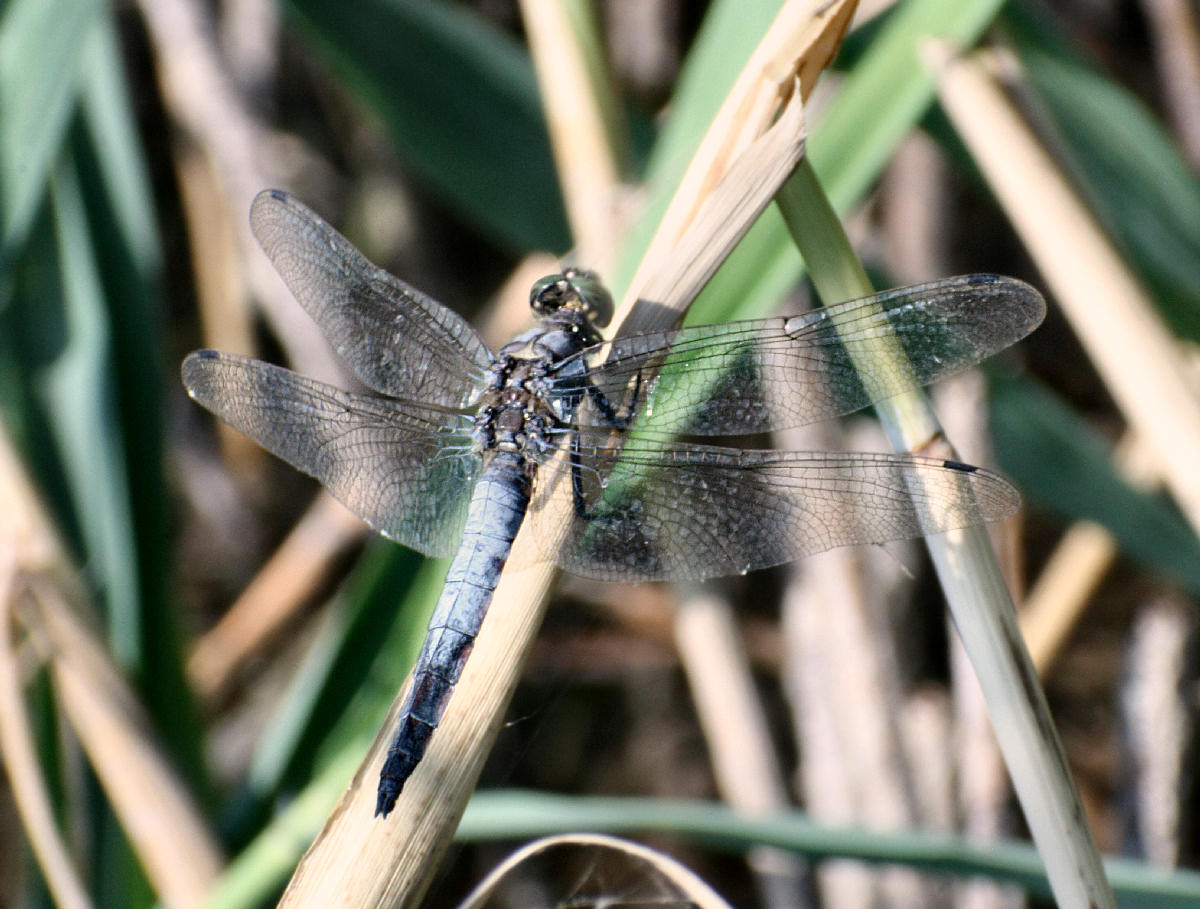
x=153, y=806
x=1056, y=601
x=974, y=587
x=582, y=116
x=272, y=600
x=748, y=776
x=359, y=860
x=1109, y=311
x=30, y=793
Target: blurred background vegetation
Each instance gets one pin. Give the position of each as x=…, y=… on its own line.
x=261, y=635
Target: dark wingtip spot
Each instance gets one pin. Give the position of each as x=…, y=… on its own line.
x=983, y=278
x=277, y=194
x=189, y=368
x=959, y=465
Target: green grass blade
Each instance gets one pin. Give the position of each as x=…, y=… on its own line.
x=459, y=100
x=504, y=815
x=975, y=591
x=40, y=76
x=115, y=188
x=1061, y=464
x=80, y=400
x=1124, y=164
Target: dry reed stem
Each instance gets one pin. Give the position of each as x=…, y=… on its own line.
x=271, y=601
x=28, y=784
x=174, y=846
x=224, y=317
x=1057, y=600
x=203, y=102
x=220, y=295
x=154, y=808
x=799, y=44
x=362, y=861
x=976, y=780
x=1109, y=311
x=1016, y=702
x=749, y=778
x=1174, y=27
x=846, y=697
x=974, y=586
x=580, y=113
x=1159, y=723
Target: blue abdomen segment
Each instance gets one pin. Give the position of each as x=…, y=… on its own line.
x=497, y=508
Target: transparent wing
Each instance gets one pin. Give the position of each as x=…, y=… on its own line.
x=396, y=339
x=662, y=510
x=755, y=376
x=405, y=469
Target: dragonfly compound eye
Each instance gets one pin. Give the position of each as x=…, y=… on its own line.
x=549, y=293
x=594, y=296
x=573, y=286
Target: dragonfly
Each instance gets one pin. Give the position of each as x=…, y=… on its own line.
x=599, y=445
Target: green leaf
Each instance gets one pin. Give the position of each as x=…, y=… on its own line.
x=352, y=672
x=40, y=76
x=116, y=191
x=460, y=102
x=80, y=364
x=522, y=815
x=876, y=106
x=80, y=401
x=1062, y=466
x=1123, y=163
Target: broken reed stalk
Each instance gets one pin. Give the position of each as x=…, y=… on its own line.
x=979, y=601
x=359, y=860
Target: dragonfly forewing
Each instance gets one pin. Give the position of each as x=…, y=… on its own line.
x=404, y=468
x=760, y=375
x=396, y=339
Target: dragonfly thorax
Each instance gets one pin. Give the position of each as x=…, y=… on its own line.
x=515, y=415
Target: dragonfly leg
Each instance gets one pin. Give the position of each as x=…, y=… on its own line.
x=614, y=420
x=577, y=499
x=609, y=412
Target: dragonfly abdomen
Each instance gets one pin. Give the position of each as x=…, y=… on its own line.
x=498, y=506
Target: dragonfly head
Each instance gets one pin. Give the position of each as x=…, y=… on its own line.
x=575, y=288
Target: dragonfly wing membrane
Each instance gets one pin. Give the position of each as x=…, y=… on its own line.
x=761, y=375
x=663, y=510
x=405, y=469
x=398, y=340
